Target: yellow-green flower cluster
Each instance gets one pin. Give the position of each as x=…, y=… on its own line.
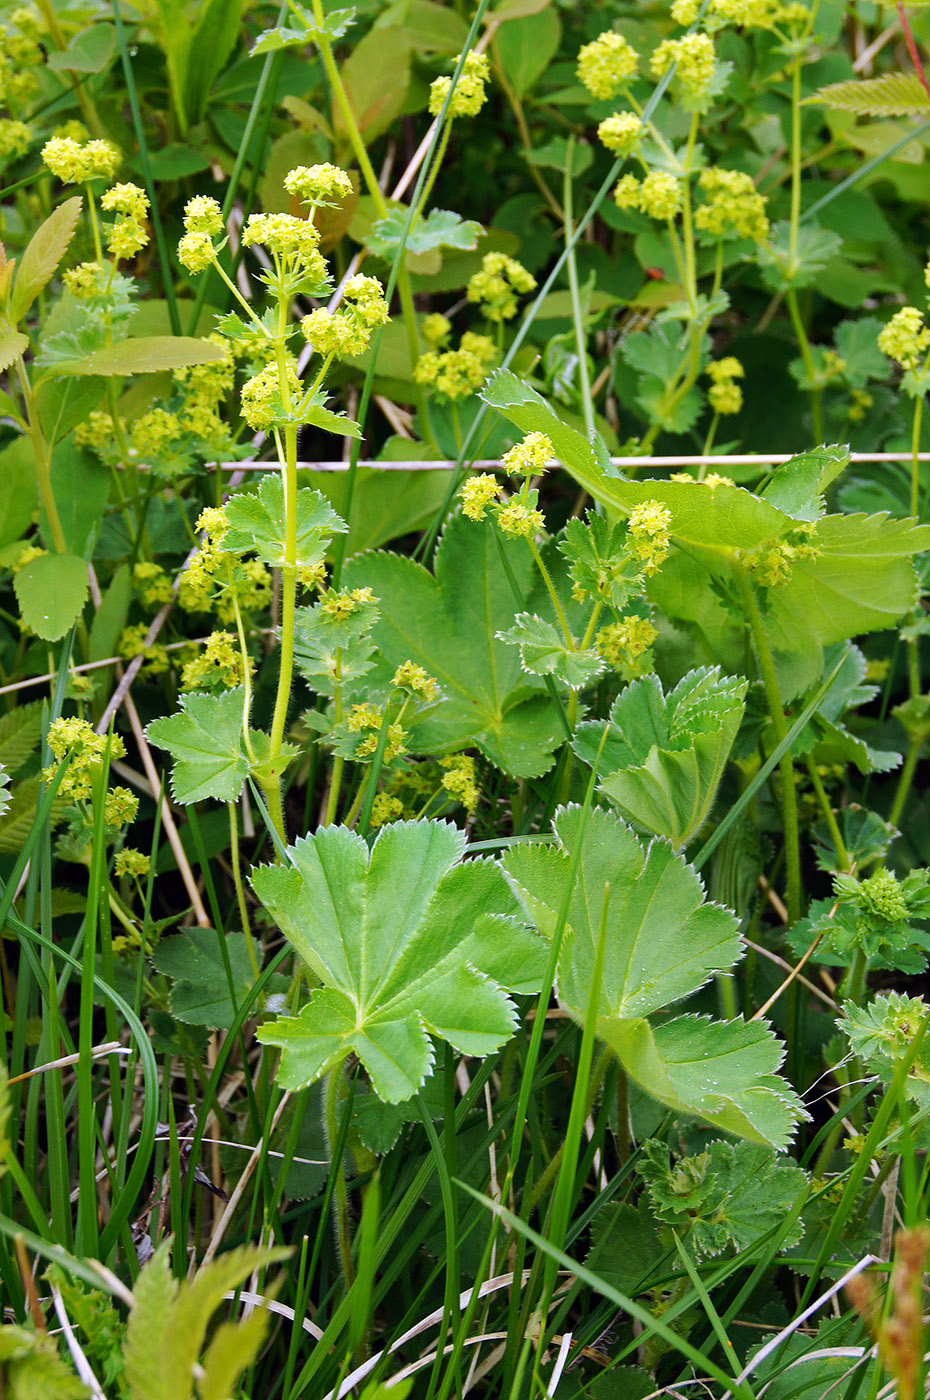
x=620, y=133
x=623, y=644
x=219, y=664
x=658, y=194
x=339, y=607
x=905, y=338
x=97, y=432
x=368, y=716
x=14, y=138
x=131, y=862
x=287, y=237
x=261, y=395
x=195, y=584
x=860, y=401
x=529, y=457
x=120, y=807
x=413, y=678
x=385, y=808
x=772, y=564
x=747, y=14
x=128, y=235
x=724, y=394
x=693, y=55
x=318, y=185
x=519, y=519
x=606, y=65
x=203, y=220
x=134, y=642
x=477, y=494
x=151, y=583
x=75, y=740
x=648, y=534
x=74, y=163
x=26, y=556
x=456, y=374
x=84, y=280
x=347, y=330
x=154, y=431
x=435, y=328
x=459, y=780
x=733, y=208
x=251, y=586
x=498, y=283
x=469, y=95
x=20, y=55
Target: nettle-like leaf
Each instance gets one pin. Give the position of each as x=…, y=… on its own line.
x=168, y=1325
x=544, y=652
x=664, y=756
x=205, y=740
x=890, y=95
x=663, y=943
x=449, y=624
x=727, y=1196
x=440, y=229
x=401, y=939
x=256, y=524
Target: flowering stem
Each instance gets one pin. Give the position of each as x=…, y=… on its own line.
x=708, y=444
x=550, y=588
x=915, y=458
x=246, y=669
x=842, y=854
x=785, y=766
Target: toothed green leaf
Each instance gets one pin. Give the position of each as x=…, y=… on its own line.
x=401, y=940
x=205, y=740
x=256, y=524
x=543, y=651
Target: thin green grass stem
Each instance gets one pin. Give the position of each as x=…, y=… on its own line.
x=578, y=316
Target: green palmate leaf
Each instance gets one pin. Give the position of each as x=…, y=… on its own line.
x=882, y=1034
x=440, y=229
x=144, y=354
x=727, y=1196
x=12, y=346
x=664, y=756
x=786, y=265
x=334, y=25
x=31, y=1367
x=401, y=941
x=448, y=625
x=599, y=563
x=891, y=95
x=827, y=736
x=51, y=592
x=664, y=942
x=529, y=412
x=205, y=740
x=543, y=651
x=43, y=253
x=256, y=524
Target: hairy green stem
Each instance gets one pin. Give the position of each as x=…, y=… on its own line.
x=836, y=835
x=340, y=1195
x=240, y=890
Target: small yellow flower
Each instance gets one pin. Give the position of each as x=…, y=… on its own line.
x=131, y=862
x=318, y=184
x=219, y=663
x=530, y=456
x=477, y=494
x=154, y=431
x=203, y=214
x=623, y=644
x=14, y=138
x=74, y=163
x=435, y=328
x=410, y=676
x=627, y=192
x=733, y=207
x=385, y=808
x=126, y=199
x=620, y=133
x=120, y=807
x=694, y=56
x=496, y=286
x=905, y=338
x=606, y=64
x=648, y=533
x=83, y=281
x=659, y=195
x=469, y=95
x=517, y=519
x=196, y=251
x=152, y=583
x=459, y=780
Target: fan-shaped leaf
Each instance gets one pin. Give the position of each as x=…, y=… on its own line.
x=401, y=940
